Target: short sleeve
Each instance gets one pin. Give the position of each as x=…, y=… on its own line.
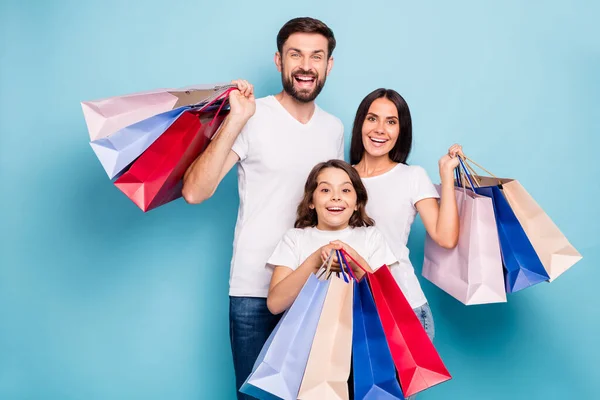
x=287, y=252
x=241, y=144
x=379, y=251
x=422, y=187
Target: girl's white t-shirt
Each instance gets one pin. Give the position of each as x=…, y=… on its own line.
x=392, y=199
x=298, y=244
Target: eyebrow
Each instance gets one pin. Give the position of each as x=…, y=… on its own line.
x=300, y=51
x=375, y=115
x=327, y=183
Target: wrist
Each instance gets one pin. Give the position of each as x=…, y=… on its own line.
x=237, y=119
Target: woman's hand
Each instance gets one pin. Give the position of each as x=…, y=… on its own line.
x=449, y=162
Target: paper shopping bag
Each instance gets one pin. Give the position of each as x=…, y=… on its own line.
x=328, y=366
x=472, y=271
x=156, y=177
x=278, y=371
x=374, y=374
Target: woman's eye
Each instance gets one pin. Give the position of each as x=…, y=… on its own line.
x=371, y=119
x=392, y=122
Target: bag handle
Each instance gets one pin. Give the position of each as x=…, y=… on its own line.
x=223, y=96
x=325, y=268
x=345, y=253
x=343, y=264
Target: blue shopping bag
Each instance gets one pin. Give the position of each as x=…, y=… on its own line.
x=373, y=367
x=522, y=266
x=278, y=371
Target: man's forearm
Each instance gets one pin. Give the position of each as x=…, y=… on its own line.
x=202, y=177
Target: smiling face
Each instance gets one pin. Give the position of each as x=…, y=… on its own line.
x=381, y=128
x=304, y=65
x=334, y=199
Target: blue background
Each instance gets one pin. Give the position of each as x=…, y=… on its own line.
x=101, y=301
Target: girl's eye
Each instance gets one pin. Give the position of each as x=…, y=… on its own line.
x=324, y=190
x=347, y=190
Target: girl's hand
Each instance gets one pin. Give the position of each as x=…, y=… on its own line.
x=355, y=268
x=449, y=162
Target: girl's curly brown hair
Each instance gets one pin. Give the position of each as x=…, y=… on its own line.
x=307, y=217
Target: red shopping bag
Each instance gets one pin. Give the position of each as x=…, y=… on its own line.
x=155, y=178
x=417, y=361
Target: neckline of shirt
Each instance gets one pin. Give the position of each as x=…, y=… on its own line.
x=286, y=112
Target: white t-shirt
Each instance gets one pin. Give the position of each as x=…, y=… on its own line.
x=392, y=199
x=298, y=244
x=276, y=152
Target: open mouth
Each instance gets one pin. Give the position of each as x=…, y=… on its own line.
x=378, y=141
x=305, y=80
x=336, y=210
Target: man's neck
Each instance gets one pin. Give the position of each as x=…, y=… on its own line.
x=302, y=112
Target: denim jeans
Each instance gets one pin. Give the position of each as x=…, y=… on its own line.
x=424, y=314
x=250, y=324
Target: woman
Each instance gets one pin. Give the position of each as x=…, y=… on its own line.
x=381, y=143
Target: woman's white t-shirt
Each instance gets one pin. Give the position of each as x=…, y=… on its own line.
x=392, y=199
x=298, y=244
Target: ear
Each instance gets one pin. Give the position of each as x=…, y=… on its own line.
x=329, y=65
x=277, y=60
x=311, y=206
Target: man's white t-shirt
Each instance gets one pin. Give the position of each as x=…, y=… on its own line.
x=276, y=152
x=392, y=199
x=298, y=244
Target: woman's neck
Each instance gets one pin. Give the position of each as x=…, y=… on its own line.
x=370, y=166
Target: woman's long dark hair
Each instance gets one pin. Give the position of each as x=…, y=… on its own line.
x=307, y=217
x=403, y=145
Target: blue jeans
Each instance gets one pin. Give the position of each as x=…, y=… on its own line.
x=250, y=324
x=426, y=317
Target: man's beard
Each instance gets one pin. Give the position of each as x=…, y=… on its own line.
x=302, y=95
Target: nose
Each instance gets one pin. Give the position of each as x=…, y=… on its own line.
x=306, y=63
x=380, y=128
x=335, y=195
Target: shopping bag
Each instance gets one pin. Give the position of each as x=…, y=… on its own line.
x=550, y=244
x=117, y=151
x=156, y=177
x=374, y=374
x=328, y=366
x=107, y=116
x=279, y=368
x=417, y=361
x=472, y=271
x=522, y=265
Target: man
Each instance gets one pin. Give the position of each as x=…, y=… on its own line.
x=275, y=141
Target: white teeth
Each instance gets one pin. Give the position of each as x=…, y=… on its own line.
x=378, y=140
x=304, y=79
x=335, y=209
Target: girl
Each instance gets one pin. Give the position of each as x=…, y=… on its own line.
x=381, y=142
x=331, y=216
